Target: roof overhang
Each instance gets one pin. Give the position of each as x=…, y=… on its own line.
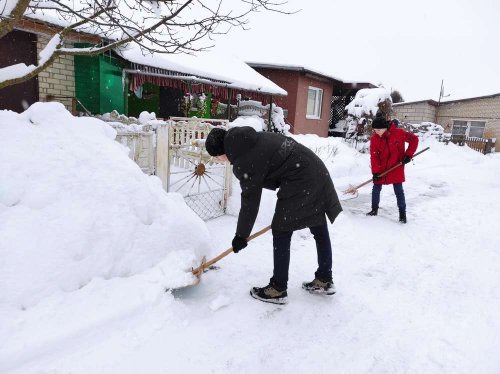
x=297, y=68
x=48, y=29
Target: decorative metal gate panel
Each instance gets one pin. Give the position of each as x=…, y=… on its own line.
x=337, y=108
x=200, y=179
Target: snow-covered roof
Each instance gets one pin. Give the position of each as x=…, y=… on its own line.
x=430, y=102
x=444, y=101
x=310, y=70
x=212, y=65
x=301, y=68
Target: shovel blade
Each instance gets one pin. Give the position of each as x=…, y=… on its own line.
x=198, y=272
x=351, y=190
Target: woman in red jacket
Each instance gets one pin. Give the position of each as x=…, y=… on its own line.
x=387, y=148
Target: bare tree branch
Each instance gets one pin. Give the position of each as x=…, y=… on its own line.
x=158, y=26
x=7, y=24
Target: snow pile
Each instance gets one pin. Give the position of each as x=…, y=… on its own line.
x=146, y=117
x=74, y=207
x=366, y=102
x=425, y=129
x=252, y=121
x=434, y=281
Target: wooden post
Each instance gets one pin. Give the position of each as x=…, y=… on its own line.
x=73, y=106
x=162, y=167
x=269, y=124
x=229, y=92
x=488, y=146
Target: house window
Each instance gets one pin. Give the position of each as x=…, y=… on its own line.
x=314, y=99
x=472, y=129
x=476, y=129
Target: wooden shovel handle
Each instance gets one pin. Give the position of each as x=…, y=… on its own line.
x=389, y=170
x=205, y=265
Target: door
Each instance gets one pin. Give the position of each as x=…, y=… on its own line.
x=19, y=47
x=170, y=102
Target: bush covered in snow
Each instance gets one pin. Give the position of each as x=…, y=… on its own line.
x=368, y=101
x=425, y=130
x=253, y=108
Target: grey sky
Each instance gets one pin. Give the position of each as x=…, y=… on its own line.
x=409, y=46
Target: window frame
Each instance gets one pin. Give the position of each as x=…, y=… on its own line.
x=468, y=124
x=318, y=104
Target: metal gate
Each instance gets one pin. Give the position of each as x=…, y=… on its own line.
x=190, y=170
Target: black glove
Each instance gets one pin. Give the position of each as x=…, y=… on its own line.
x=406, y=159
x=376, y=177
x=238, y=243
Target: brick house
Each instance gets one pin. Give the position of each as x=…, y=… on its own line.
x=57, y=82
x=473, y=117
x=103, y=83
x=311, y=98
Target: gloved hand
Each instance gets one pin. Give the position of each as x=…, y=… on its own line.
x=406, y=159
x=376, y=177
x=238, y=243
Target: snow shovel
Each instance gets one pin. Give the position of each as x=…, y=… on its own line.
x=354, y=189
x=197, y=272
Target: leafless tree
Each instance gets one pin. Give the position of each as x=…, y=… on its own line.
x=163, y=26
x=396, y=97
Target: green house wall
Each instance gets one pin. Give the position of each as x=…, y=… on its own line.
x=87, y=86
x=111, y=84
x=98, y=84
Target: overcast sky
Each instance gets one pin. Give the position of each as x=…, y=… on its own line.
x=405, y=45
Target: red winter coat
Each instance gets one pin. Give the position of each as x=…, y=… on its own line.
x=388, y=150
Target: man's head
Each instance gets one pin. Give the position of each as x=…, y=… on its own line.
x=379, y=125
x=215, y=142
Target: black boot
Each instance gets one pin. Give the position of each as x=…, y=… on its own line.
x=372, y=212
x=402, y=216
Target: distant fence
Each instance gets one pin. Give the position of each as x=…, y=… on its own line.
x=484, y=146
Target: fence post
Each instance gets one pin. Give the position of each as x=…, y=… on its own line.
x=488, y=147
x=228, y=187
x=162, y=154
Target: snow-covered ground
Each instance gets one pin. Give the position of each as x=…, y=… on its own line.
x=88, y=244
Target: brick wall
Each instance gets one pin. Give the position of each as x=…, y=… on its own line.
x=415, y=112
x=58, y=79
x=485, y=109
x=304, y=125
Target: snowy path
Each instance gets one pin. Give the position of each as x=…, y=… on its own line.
x=417, y=298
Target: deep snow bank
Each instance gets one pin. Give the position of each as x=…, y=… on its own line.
x=74, y=207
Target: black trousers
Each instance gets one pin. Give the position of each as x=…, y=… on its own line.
x=281, y=253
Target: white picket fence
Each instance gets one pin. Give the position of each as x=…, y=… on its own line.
x=174, y=151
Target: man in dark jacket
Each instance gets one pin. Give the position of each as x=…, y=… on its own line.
x=306, y=193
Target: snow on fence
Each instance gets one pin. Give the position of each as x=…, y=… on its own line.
x=484, y=146
x=174, y=150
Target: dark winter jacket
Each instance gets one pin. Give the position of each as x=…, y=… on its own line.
x=388, y=150
x=268, y=160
